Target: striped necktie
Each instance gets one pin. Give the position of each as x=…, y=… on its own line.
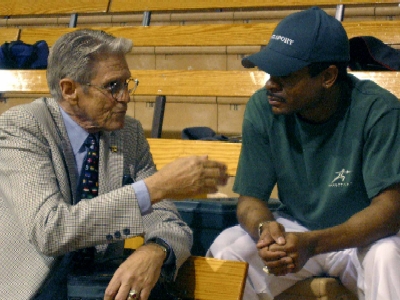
x=90, y=174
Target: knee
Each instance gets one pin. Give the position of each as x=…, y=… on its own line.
x=232, y=244
x=384, y=254
x=229, y=236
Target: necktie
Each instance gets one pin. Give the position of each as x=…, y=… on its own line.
x=89, y=173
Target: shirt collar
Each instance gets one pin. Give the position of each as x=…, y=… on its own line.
x=76, y=134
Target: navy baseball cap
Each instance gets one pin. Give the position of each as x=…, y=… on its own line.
x=300, y=39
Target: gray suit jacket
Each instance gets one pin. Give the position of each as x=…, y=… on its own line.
x=39, y=224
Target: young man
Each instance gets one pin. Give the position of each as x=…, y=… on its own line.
x=331, y=144
x=53, y=215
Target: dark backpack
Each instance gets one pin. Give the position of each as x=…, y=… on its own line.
x=18, y=55
x=368, y=53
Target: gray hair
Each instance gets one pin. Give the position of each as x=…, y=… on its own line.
x=72, y=56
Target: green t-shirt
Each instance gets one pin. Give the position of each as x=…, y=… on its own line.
x=325, y=172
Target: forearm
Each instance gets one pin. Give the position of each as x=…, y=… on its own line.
x=380, y=219
x=250, y=212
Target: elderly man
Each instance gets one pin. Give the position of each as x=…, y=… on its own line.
x=77, y=178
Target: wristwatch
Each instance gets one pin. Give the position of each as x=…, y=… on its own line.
x=260, y=227
x=162, y=244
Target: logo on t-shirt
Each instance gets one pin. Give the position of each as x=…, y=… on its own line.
x=340, y=179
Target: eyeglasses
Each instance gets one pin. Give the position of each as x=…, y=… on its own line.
x=117, y=89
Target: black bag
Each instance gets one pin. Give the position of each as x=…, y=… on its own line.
x=18, y=55
x=368, y=53
x=206, y=134
x=90, y=282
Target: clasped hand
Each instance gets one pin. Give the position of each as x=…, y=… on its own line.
x=282, y=252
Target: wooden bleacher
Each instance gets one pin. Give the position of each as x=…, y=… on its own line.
x=210, y=88
x=223, y=111
x=353, y=13
x=126, y=12
x=165, y=151
x=32, y=10
x=195, y=47
x=185, y=83
x=254, y=34
x=8, y=34
x=202, y=83
x=205, y=278
x=40, y=7
x=122, y=6
x=28, y=8
x=146, y=5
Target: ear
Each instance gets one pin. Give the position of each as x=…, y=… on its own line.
x=68, y=89
x=329, y=76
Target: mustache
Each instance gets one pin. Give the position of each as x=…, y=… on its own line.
x=270, y=94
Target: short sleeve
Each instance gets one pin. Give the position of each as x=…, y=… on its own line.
x=255, y=175
x=381, y=164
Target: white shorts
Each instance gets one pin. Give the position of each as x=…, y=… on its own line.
x=373, y=273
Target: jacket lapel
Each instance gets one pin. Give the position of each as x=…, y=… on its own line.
x=111, y=161
x=63, y=140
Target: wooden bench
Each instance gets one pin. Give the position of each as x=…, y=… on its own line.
x=122, y=6
x=207, y=46
x=165, y=151
x=42, y=13
x=9, y=34
x=189, y=83
x=216, y=86
x=207, y=278
x=203, y=33
x=40, y=8
x=254, y=34
x=166, y=5
x=43, y=7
